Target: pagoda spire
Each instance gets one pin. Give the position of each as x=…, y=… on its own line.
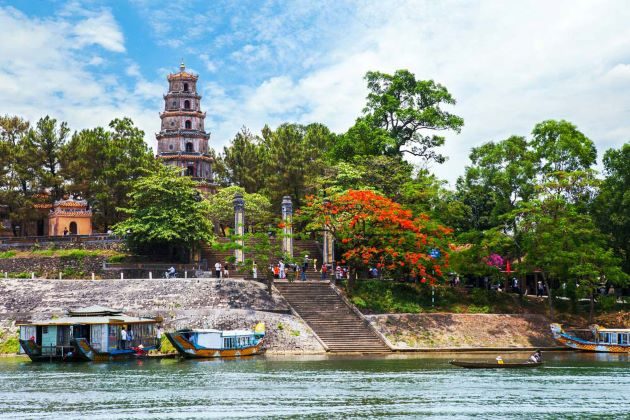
x=182, y=66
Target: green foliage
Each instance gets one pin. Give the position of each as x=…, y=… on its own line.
x=280, y=326
x=480, y=296
x=257, y=208
x=165, y=209
x=611, y=207
x=101, y=166
x=10, y=345
x=607, y=303
x=7, y=254
x=405, y=108
x=295, y=333
x=474, y=309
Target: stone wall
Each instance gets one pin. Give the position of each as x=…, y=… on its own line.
x=50, y=267
x=197, y=303
x=464, y=330
x=45, y=243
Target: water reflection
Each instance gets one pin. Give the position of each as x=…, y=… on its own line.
x=576, y=384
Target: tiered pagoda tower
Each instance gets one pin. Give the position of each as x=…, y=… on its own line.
x=183, y=141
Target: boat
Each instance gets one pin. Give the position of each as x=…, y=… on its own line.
x=217, y=343
x=604, y=340
x=494, y=365
x=88, y=334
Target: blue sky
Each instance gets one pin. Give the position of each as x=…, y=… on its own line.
x=508, y=64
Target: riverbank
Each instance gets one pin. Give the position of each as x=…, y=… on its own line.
x=182, y=303
x=464, y=332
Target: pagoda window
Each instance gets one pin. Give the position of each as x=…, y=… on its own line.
x=186, y=104
x=185, y=87
x=73, y=228
x=189, y=147
x=190, y=170
x=188, y=124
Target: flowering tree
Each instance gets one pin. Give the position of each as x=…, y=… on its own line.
x=374, y=231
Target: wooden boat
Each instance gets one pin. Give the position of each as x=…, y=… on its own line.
x=605, y=340
x=88, y=334
x=495, y=365
x=217, y=343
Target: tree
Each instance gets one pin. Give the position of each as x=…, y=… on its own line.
x=165, y=210
x=562, y=243
x=257, y=208
x=408, y=110
x=42, y=149
x=560, y=146
x=101, y=165
x=243, y=163
x=612, y=205
x=374, y=231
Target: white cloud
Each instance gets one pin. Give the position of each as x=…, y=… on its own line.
x=50, y=68
x=509, y=65
x=101, y=30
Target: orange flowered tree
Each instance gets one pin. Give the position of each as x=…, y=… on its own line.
x=373, y=231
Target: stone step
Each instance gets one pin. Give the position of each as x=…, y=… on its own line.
x=335, y=323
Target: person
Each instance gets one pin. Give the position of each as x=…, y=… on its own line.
x=539, y=289
x=536, y=357
x=296, y=271
x=499, y=360
x=324, y=271
x=254, y=270
x=170, y=273
x=123, y=338
x=129, y=337
x=338, y=272
x=226, y=273
x=304, y=268
x=65, y=231
x=217, y=269
x=281, y=273
x=276, y=272
x=158, y=334
x=457, y=281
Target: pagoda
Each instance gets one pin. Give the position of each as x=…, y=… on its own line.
x=182, y=140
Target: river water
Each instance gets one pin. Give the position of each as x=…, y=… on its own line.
x=570, y=385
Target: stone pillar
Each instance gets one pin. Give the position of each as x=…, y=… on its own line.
x=239, y=226
x=328, y=245
x=287, y=230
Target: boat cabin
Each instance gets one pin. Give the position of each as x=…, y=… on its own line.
x=612, y=336
x=222, y=340
x=100, y=326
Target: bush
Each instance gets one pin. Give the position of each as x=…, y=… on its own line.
x=474, y=309
x=10, y=346
x=7, y=254
x=480, y=297
x=607, y=303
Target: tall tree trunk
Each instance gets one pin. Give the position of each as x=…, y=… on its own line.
x=549, y=295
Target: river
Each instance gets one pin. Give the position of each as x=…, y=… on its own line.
x=320, y=387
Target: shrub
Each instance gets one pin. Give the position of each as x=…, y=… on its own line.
x=480, y=297
x=474, y=309
x=295, y=333
x=7, y=254
x=607, y=303
x=10, y=346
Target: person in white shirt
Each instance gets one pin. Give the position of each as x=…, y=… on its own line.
x=282, y=274
x=217, y=269
x=123, y=339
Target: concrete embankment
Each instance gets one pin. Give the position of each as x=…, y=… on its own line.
x=195, y=303
x=464, y=331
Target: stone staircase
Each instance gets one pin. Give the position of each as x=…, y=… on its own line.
x=328, y=315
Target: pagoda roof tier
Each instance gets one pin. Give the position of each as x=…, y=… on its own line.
x=183, y=75
x=182, y=133
x=181, y=94
x=185, y=156
x=179, y=113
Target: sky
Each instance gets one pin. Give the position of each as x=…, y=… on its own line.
x=508, y=64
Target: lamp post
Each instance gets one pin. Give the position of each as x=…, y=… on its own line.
x=287, y=229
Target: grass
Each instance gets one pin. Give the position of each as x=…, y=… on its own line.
x=63, y=253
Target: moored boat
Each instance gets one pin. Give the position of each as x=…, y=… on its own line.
x=217, y=343
x=94, y=333
x=494, y=365
x=604, y=340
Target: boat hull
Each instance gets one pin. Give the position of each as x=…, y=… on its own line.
x=583, y=345
x=486, y=365
x=190, y=351
x=86, y=353
x=34, y=352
